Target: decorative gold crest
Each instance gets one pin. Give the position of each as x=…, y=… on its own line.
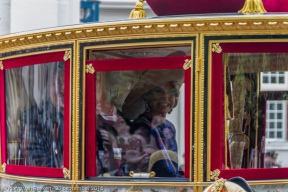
x=90, y=68
x=214, y=174
x=1, y=65
x=67, y=55
x=3, y=168
x=66, y=173
x=187, y=64
x=216, y=48
x=133, y=189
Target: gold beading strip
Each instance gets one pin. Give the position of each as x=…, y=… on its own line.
x=75, y=112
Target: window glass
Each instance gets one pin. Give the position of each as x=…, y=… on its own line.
x=146, y=123
x=141, y=53
x=34, y=115
x=258, y=130
x=140, y=113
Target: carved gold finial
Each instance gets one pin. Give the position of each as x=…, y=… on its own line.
x=214, y=174
x=66, y=173
x=67, y=55
x=138, y=12
x=216, y=48
x=3, y=168
x=218, y=185
x=187, y=64
x=133, y=189
x=253, y=6
x=90, y=68
x=1, y=65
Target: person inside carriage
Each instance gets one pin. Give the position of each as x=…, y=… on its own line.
x=146, y=139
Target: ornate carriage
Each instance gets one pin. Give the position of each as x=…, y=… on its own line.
x=231, y=117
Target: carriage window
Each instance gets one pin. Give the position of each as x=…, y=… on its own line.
x=34, y=115
x=257, y=132
x=139, y=114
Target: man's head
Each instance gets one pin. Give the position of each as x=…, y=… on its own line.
x=272, y=155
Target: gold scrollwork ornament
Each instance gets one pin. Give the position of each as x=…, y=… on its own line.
x=187, y=64
x=1, y=65
x=66, y=173
x=90, y=68
x=216, y=48
x=214, y=174
x=67, y=55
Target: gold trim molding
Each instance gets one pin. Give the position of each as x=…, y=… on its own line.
x=90, y=68
x=154, y=27
x=67, y=55
x=1, y=65
x=216, y=48
x=66, y=173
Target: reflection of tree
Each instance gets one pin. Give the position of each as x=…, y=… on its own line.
x=258, y=62
x=248, y=66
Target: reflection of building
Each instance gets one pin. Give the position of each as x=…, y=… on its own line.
x=276, y=115
x=44, y=14
x=25, y=15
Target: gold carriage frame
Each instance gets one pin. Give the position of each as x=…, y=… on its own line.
x=200, y=27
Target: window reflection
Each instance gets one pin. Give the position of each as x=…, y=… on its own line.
x=34, y=114
x=140, y=115
x=134, y=122
x=257, y=96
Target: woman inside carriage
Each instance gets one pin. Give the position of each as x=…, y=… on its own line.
x=148, y=104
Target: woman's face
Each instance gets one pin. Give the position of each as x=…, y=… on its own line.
x=162, y=98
